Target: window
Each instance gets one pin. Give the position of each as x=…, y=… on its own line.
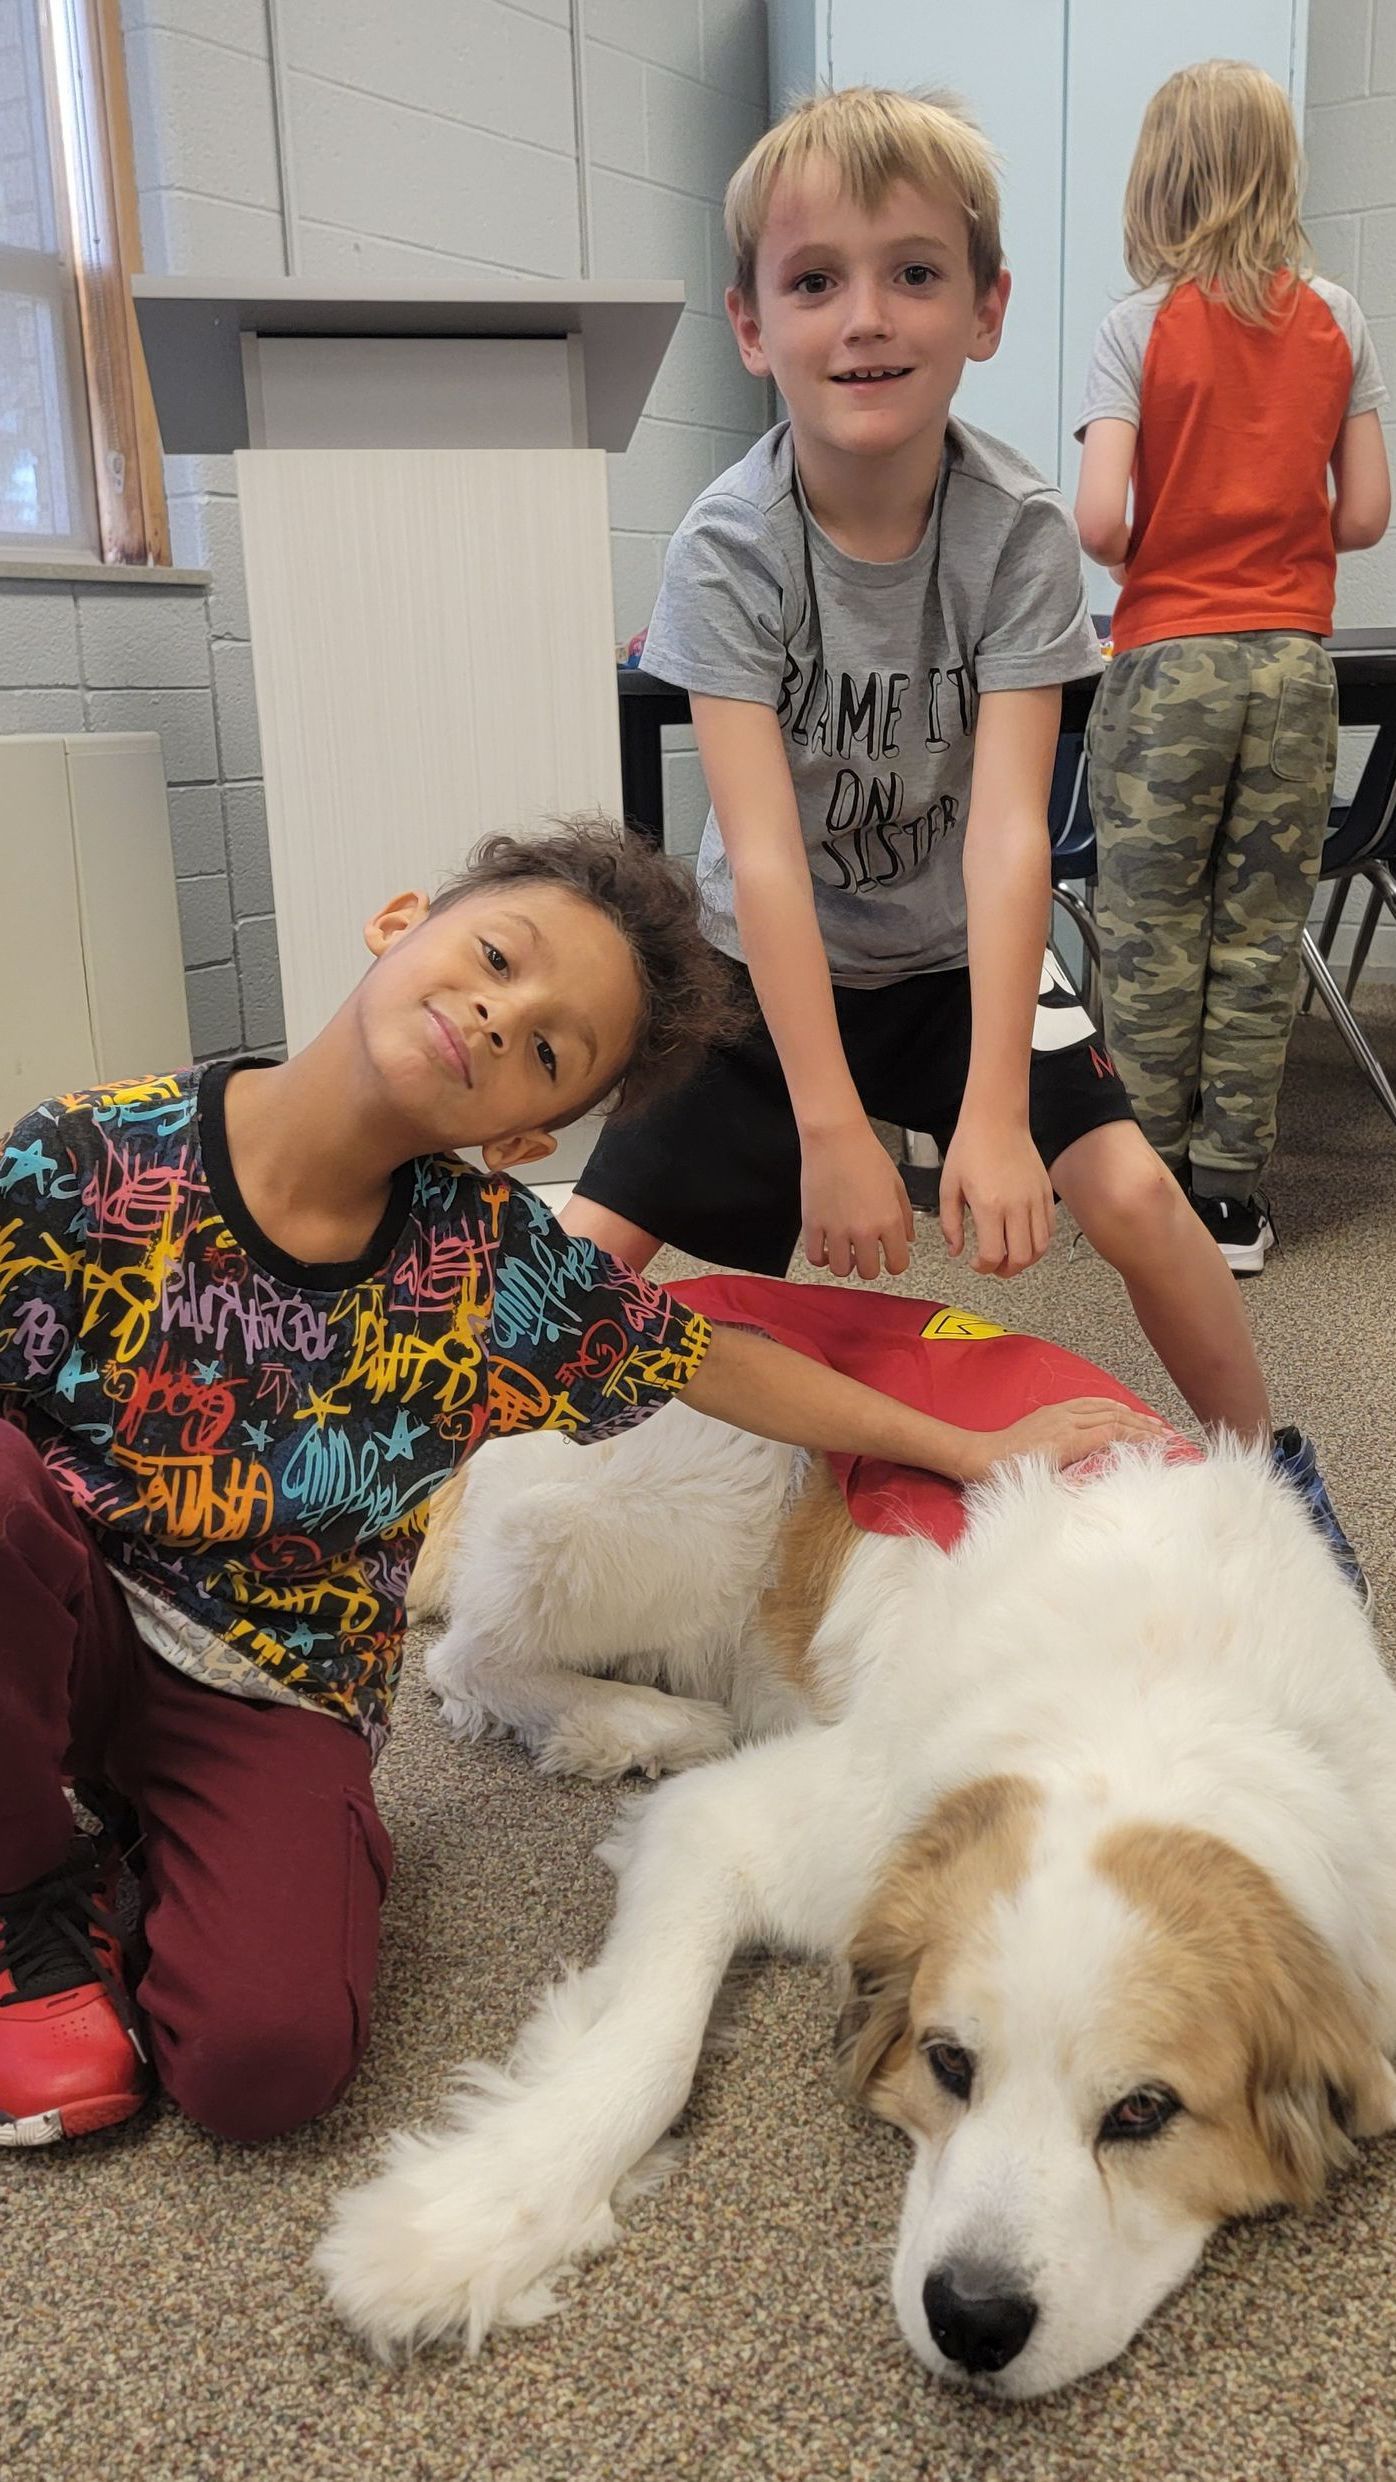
x=80, y=474
x=47, y=501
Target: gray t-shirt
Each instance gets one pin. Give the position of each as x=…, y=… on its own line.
x=875, y=670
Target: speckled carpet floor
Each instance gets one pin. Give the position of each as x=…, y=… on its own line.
x=157, y=2315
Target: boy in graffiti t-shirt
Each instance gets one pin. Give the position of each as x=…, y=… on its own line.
x=874, y=613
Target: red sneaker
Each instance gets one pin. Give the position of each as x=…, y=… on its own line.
x=71, y=2056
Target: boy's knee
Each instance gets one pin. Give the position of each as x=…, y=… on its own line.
x=18, y=1454
x=27, y=1488
x=39, y=1530
x=260, y=2079
x=1130, y=1207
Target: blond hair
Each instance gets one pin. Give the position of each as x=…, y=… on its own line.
x=872, y=137
x=1214, y=188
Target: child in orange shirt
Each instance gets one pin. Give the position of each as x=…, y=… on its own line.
x=1224, y=391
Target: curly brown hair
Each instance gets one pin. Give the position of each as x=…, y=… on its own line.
x=690, y=999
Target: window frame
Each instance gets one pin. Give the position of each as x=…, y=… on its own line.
x=119, y=461
x=43, y=273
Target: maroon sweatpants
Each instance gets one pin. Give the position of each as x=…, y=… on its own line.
x=265, y=1860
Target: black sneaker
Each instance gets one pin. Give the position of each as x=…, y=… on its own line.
x=1241, y=1229
x=1297, y=1460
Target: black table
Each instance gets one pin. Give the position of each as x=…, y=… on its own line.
x=1365, y=660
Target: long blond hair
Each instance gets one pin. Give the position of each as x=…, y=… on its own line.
x=1213, y=192
x=872, y=137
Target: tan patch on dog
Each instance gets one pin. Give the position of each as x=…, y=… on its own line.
x=933, y=1898
x=1237, y=2005
x=428, y=1590
x=813, y=1548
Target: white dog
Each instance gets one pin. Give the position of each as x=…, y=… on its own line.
x=1097, y=1812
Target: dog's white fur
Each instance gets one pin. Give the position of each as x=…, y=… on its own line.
x=645, y=1567
x=1168, y=1652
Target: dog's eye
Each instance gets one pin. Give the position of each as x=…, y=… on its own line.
x=1140, y=2114
x=951, y=2066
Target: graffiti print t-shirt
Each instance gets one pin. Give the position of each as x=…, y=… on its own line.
x=253, y=1441
x=875, y=670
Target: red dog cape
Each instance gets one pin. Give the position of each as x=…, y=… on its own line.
x=945, y=1362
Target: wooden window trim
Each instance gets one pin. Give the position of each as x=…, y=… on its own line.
x=99, y=163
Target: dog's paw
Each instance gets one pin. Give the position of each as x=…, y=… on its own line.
x=466, y=1720
x=644, y=1732
x=449, y=1666
x=444, y=2247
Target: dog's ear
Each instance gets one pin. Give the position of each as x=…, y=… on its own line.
x=1317, y=2079
x=1311, y=2099
x=873, y=2032
x=939, y=1877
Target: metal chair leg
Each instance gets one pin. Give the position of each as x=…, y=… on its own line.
x=1370, y=918
x=1096, y=993
x=1328, y=934
x=1383, y=877
x=1088, y=990
x=1348, y=1026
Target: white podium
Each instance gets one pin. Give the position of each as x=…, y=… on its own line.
x=423, y=495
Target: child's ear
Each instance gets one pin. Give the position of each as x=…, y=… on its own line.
x=400, y=915
x=746, y=327
x=989, y=317
x=530, y=1146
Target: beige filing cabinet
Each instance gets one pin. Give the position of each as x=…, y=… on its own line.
x=93, y=983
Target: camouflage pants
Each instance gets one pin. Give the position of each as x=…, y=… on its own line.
x=1211, y=771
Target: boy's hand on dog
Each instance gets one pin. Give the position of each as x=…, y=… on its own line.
x=853, y=1204
x=998, y=1175
x=1067, y=1433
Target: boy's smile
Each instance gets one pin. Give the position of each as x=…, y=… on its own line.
x=864, y=317
x=455, y=1050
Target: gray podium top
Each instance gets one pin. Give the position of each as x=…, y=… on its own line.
x=201, y=343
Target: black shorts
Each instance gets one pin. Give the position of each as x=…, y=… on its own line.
x=714, y=1168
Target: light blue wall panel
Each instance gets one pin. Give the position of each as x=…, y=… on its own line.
x=797, y=41
x=1005, y=59
x=1116, y=57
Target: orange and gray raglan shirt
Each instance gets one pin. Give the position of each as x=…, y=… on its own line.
x=1237, y=423
x=253, y=1441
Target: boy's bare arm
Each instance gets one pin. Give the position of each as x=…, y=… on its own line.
x=855, y=1209
x=1361, y=509
x=992, y=1166
x=765, y=1387
x=1102, y=489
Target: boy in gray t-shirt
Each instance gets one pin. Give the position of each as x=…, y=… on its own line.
x=874, y=613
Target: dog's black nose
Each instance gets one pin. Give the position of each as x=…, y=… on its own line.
x=980, y=2330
